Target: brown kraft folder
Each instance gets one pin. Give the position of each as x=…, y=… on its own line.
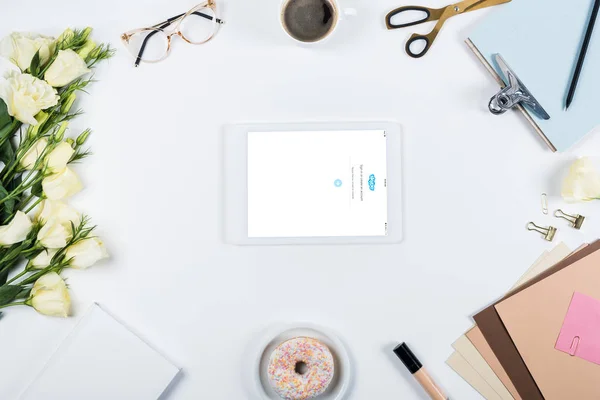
x=534, y=318
x=500, y=342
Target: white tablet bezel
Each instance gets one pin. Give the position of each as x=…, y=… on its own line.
x=235, y=196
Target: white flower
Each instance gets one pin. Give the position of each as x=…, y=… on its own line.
x=49, y=296
x=58, y=210
x=16, y=231
x=54, y=235
x=59, y=157
x=86, y=253
x=26, y=95
x=20, y=48
x=67, y=67
x=33, y=154
x=582, y=182
x=5, y=67
x=62, y=185
x=43, y=259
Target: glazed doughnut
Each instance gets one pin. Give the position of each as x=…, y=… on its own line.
x=300, y=368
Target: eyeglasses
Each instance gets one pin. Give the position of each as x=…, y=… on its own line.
x=153, y=44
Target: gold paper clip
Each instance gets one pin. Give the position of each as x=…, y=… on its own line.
x=575, y=220
x=548, y=232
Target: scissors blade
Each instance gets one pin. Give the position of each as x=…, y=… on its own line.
x=472, y=5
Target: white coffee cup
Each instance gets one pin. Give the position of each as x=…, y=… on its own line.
x=332, y=11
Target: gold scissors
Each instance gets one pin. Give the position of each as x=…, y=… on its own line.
x=433, y=14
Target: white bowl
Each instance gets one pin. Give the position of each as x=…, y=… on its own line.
x=340, y=384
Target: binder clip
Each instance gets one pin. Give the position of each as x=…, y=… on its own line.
x=575, y=220
x=548, y=232
x=514, y=93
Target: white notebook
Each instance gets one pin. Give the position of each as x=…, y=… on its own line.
x=102, y=359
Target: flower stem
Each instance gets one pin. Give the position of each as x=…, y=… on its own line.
x=17, y=277
x=20, y=303
x=34, y=205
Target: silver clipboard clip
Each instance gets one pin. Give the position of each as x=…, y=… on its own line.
x=514, y=93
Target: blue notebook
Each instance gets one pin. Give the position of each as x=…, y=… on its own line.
x=540, y=40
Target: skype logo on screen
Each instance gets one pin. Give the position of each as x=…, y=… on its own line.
x=372, y=182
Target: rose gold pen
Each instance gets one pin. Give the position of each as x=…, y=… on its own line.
x=416, y=369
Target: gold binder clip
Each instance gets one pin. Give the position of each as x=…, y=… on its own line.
x=575, y=220
x=548, y=232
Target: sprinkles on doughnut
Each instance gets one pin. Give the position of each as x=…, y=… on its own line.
x=300, y=368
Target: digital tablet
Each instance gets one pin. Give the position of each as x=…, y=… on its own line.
x=313, y=183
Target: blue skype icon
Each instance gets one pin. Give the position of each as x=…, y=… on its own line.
x=337, y=183
x=372, y=182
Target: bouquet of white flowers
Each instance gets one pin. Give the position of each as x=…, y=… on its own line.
x=36, y=100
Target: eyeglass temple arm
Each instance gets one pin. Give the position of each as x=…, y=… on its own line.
x=163, y=25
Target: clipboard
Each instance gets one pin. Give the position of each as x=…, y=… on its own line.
x=540, y=40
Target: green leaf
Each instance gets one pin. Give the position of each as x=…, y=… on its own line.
x=9, y=129
x=8, y=206
x=34, y=68
x=23, y=294
x=8, y=293
x=14, y=183
x=37, y=189
x=3, y=192
x=5, y=119
x=7, y=210
x=7, y=153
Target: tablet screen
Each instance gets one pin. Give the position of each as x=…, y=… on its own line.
x=317, y=183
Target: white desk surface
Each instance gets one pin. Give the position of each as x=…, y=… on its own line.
x=471, y=181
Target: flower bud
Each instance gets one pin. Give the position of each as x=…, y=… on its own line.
x=64, y=37
x=60, y=134
x=59, y=157
x=16, y=231
x=81, y=139
x=582, y=182
x=67, y=67
x=40, y=117
x=30, y=159
x=86, y=32
x=70, y=141
x=68, y=103
x=62, y=185
x=87, y=48
x=86, y=253
x=50, y=296
x=95, y=53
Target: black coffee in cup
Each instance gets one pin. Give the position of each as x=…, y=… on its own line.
x=309, y=20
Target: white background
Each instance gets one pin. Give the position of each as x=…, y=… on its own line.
x=472, y=181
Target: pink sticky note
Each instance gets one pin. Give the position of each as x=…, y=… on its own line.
x=580, y=333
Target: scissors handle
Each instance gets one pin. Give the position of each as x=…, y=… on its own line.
x=431, y=14
x=428, y=39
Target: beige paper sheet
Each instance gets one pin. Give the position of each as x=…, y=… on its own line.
x=534, y=318
x=466, y=349
x=490, y=370
x=472, y=377
x=481, y=345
